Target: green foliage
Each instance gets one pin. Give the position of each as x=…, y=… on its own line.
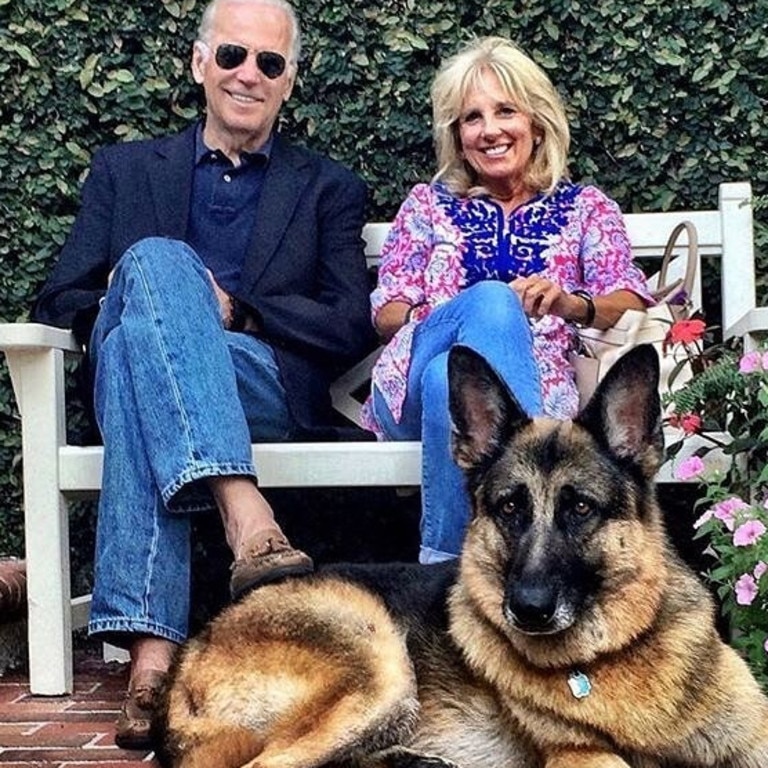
x=712, y=393
x=726, y=408
x=734, y=532
x=665, y=102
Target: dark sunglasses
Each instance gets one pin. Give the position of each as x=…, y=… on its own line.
x=231, y=56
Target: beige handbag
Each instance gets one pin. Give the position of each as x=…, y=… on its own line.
x=599, y=349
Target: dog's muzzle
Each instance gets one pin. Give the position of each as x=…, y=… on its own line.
x=534, y=607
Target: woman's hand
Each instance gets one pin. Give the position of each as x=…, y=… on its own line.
x=541, y=297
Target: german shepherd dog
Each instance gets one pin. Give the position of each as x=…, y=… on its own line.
x=569, y=634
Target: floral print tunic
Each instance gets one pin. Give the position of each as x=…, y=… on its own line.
x=440, y=244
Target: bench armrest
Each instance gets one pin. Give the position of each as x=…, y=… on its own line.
x=344, y=388
x=750, y=325
x=31, y=336
x=35, y=353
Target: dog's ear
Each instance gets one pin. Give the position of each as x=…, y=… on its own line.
x=625, y=411
x=483, y=410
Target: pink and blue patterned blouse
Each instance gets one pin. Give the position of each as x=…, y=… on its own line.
x=440, y=244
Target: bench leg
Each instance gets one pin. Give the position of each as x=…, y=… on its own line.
x=49, y=605
x=39, y=379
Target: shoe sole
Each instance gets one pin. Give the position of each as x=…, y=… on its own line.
x=269, y=577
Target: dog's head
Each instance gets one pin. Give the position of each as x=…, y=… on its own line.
x=565, y=552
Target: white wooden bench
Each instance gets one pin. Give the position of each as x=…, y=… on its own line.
x=54, y=471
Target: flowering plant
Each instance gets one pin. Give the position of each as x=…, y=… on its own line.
x=725, y=405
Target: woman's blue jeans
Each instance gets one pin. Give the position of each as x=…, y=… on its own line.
x=178, y=399
x=489, y=318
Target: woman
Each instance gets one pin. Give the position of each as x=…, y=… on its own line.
x=501, y=252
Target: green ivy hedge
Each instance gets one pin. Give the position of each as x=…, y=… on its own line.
x=665, y=102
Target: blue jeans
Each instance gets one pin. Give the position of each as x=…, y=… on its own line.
x=489, y=318
x=178, y=399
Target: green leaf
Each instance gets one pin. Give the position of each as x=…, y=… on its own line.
x=173, y=8
x=77, y=151
x=721, y=573
x=121, y=76
x=88, y=70
x=669, y=58
x=25, y=53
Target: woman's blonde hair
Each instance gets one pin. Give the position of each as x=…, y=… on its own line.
x=529, y=89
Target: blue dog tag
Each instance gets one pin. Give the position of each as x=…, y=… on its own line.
x=579, y=684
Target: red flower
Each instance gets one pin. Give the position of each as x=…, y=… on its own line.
x=690, y=423
x=686, y=331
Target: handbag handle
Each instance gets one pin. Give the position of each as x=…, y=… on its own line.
x=686, y=282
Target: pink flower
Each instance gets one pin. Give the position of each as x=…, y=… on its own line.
x=745, y=589
x=765, y=646
x=748, y=533
x=708, y=515
x=689, y=468
x=760, y=569
x=751, y=362
x=729, y=506
x=725, y=510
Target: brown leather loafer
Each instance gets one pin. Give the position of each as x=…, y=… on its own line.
x=135, y=718
x=268, y=557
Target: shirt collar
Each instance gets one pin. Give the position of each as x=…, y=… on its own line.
x=206, y=154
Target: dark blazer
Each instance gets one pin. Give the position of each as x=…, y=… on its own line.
x=304, y=276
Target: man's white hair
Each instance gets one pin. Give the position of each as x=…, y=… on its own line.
x=207, y=22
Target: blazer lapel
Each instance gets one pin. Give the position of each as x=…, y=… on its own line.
x=170, y=176
x=287, y=176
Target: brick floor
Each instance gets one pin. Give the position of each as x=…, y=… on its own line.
x=66, y=731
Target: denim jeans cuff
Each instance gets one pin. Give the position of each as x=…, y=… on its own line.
x=428, y=555
x=121, y=632
x=188, y=493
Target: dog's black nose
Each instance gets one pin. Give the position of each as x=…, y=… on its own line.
x=532, y=606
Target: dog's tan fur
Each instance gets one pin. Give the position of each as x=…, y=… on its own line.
x=284, y=673
x=566, y=567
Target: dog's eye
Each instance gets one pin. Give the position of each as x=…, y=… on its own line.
x=509, y=507
x=582, y=508
x=514, y=503
x=575, y=507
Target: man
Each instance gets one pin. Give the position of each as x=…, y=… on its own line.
x=219, y=279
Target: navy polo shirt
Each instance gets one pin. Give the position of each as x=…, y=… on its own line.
x=223, y=208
